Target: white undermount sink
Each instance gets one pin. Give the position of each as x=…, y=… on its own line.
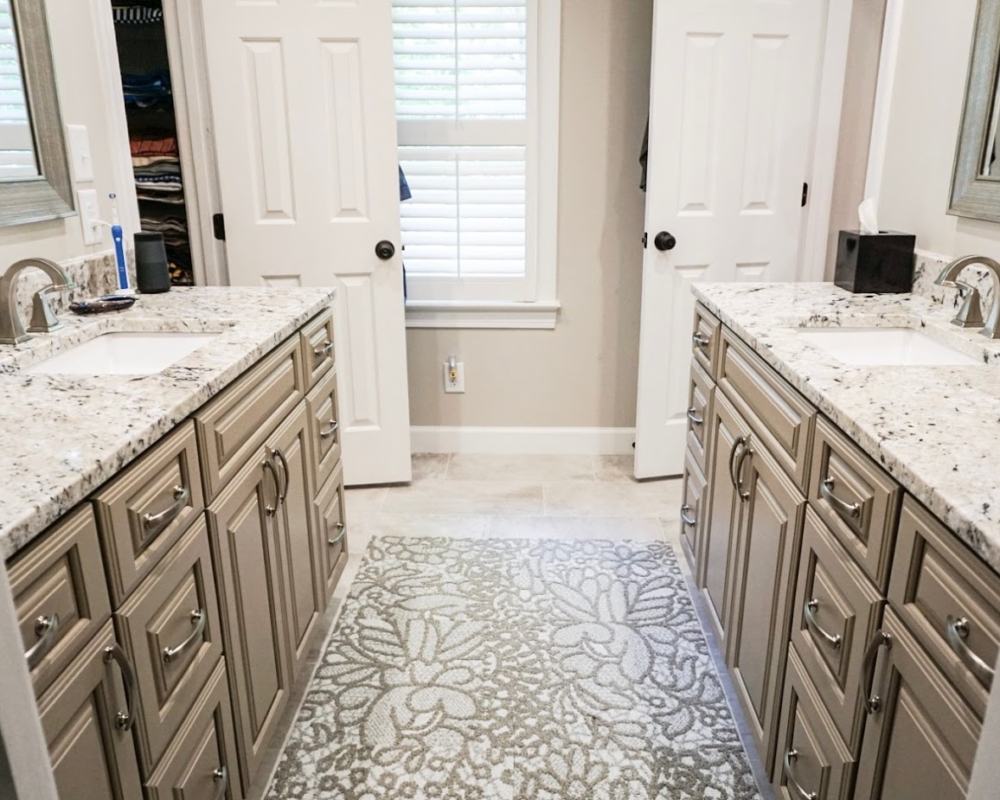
x=885, y=347
x=123, y=354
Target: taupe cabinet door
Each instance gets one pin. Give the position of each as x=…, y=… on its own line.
x=247, y=546
x=772, y=516
x=922, y=741
x=92, y=758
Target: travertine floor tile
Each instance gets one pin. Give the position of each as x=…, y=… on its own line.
x=610, y=499
x=465, y=497
x=457, y=526
x=429, y=465
x=521, y=468
x=364, y=500
x=575, y=528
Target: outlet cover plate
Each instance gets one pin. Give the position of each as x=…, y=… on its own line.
x=90, y=212
x=456, y=386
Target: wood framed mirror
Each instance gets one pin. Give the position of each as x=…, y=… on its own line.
x=34, y=174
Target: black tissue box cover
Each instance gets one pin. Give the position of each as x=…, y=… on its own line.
x=875, y=263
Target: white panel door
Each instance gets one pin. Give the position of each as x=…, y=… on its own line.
x=303, y=104
x=732, y=111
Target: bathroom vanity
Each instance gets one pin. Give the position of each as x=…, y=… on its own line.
x=842, y=522
x=173, y=539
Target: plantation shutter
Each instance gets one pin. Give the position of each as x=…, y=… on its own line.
x=17, y=149
x=462, y=78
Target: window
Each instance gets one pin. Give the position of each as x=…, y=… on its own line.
x=17, y=147
x=477, y=109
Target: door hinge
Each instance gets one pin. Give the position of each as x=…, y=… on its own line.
x=645, y=241
x=219, y=226
x=805, y=194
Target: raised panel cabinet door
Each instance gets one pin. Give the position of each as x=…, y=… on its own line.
x=332, y=523
x=768, y=540
x=93, y=758
x=291, y=449
x=246, y=543
x=729, y=436
x=921, y=739
x=692, y=512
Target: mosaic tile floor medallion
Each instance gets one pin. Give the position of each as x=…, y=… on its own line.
x=548, y=670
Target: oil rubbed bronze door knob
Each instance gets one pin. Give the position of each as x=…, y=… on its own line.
x=385, y=250
x=665, y=241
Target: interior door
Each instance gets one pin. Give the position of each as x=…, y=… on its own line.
x=732, y=112
x=303, y=104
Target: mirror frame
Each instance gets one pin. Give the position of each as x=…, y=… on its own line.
x=972, y=194
x=50, y=195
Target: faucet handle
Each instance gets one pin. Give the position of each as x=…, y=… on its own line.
x=970, y=315
x=43, y=320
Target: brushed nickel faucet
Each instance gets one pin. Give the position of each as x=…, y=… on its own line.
x=971, y=313
x=42, y=319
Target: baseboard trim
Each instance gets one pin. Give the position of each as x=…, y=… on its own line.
x=523, y=441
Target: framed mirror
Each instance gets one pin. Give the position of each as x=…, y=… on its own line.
x=34, y=174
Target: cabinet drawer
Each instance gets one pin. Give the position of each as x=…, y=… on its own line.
x=317, y=347
x=171, y=631
x=93, y=758
x=780, y=415
x=949, y=599
x=201, y=762
x=812, y=759
x=699, y=413
x=332, y=530
x=146, y=509
x=324, y=425
x=235, y=424
x=705, y=339
x=60, y=577
x=695, y=487
x=836, y=610
x=857, y=500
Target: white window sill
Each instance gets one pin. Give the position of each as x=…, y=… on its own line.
x=538, y=315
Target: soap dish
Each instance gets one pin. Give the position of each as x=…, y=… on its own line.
x=110, y=302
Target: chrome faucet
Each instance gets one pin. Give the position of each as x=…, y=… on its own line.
x=971, y=313
x=42, y=319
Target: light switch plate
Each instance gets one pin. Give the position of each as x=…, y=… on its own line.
x=79, y=153
x=90, y=212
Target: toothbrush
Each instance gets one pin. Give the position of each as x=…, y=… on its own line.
x=124, y=285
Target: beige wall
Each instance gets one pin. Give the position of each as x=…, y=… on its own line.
x=925, y=115
x=585, y=372
x=82, y=98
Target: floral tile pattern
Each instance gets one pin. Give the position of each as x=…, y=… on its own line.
x=466, y=669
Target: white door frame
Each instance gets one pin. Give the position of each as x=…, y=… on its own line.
x=892, y=33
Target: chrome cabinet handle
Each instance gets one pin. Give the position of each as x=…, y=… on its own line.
x=809, y=612
x=693, y=417
x=123, y=719
x=873, y=704
x=46, y=629
x=269, y=467
x=199, y=619
x=790, y=757
x=221, y=778
x=958, y=632
x=740, y=442
x=330, y=432
x=701, y=340
x=285, y=476
x=747, y=453
x=152, y=524
x=846, y=510
x=685, y=518
x=339, y=537
x=324, y=351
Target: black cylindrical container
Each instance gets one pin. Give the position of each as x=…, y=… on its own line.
x=152, y=272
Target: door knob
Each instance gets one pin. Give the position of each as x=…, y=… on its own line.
x=665, y=241
x=385, y=250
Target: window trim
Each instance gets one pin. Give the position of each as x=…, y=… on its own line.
x=538, y=305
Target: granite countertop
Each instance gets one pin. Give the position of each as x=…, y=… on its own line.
x=65, y=435
x=935, y=429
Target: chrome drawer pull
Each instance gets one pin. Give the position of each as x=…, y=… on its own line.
x=693, y=417
x=286, y=473
x=958, y=632
x=330, y=432
x=882, y=639
x=790, y=757
x=269, y=467
x=701, y=340
x=123, y=719
x=339, y=537
x=152, y=524
x=846, y=510
x=740, y=442
x=685, y=518
x=809, y=611
x=221, y=778
x=199, y=619
x=46, y=629
x=324, y=351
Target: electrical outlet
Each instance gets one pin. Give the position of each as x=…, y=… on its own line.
x=454, y=376
x=90, y=215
